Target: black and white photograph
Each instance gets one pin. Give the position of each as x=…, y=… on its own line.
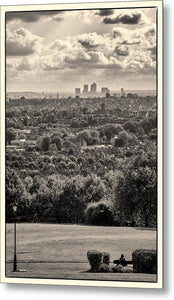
x=82, y=195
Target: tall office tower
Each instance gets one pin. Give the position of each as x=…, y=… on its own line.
x=123, y=92
x=85, y=89
x=77, y=91
x=93, y=87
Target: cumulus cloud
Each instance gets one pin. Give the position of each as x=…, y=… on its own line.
x=124, y=51
x=32, y=16
x=130, y=17
x=91, y=40
x=22, y=42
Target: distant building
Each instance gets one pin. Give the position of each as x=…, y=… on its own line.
x=123, y=94
x=77, y=91
x=105, y=90
x=85, y=89
x=93, y=87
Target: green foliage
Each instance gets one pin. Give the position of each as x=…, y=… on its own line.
x=99, y=213
x=106, y=258
x=121, y=269
x=9, y=136
x=71, y=151
x=119, y=142
x=130, y=126
x=93, y=188
x=144, y=261
x=117, y=269
x=84, y=124
x=74, y=124
x=45, y=143
x=57, y=140
x=104, y=268
x=148, y=124
x=136, y=196
x=95, y=259
x=109, y=130
x=15, y=192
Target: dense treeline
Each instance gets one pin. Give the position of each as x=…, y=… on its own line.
x=81, y=166
x=119, y=198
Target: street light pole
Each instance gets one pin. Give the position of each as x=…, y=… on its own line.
x=15, y=257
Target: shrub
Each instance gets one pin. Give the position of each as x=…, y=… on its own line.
x=95, y=259
x=117, y=269
x=131, y=126
x=104, y=268
x=99, y=213
x=99, y=261
x=144, y=261
x=74, y=124
x=106, y=258
x=119, y=142
x=84, y=124
x=127, y=270
x=129, y=153
x=71, y=151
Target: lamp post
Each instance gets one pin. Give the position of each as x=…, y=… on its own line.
x=15, y=257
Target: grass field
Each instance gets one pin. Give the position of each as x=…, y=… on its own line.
x=59, y=251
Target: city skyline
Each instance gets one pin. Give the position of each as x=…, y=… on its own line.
x=115, y=47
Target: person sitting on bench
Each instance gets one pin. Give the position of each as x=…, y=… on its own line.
x=122, y=261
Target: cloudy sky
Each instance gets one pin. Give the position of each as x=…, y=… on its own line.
x=60, y=50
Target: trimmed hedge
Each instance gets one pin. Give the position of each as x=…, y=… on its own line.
x=121, y=269
x=117, y=269
x=97, y=259
x=144, y=261
x=104, y=268
x=106, y=258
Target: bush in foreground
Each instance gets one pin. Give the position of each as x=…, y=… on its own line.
x=104, y=268
x=117, y=269
x=144, y=261
x=106, y=258
x=95, y=259
x=99, y=213
x=99, y=261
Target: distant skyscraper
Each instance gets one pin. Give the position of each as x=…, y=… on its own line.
x=77, y=91
x=85, y=89
x=93, y=87
x=123, y=92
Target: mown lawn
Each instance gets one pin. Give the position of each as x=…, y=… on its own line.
x=67, y=246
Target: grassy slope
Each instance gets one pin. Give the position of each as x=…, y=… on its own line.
x=53, y=242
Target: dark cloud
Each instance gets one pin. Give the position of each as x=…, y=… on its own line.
x=32, y=16
x=13, y=49
x=133, y=18
x=130, y=43
x=153, y=51
x=150, y=32
x=122, y=51
x=105, y=12
x=87, y=44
